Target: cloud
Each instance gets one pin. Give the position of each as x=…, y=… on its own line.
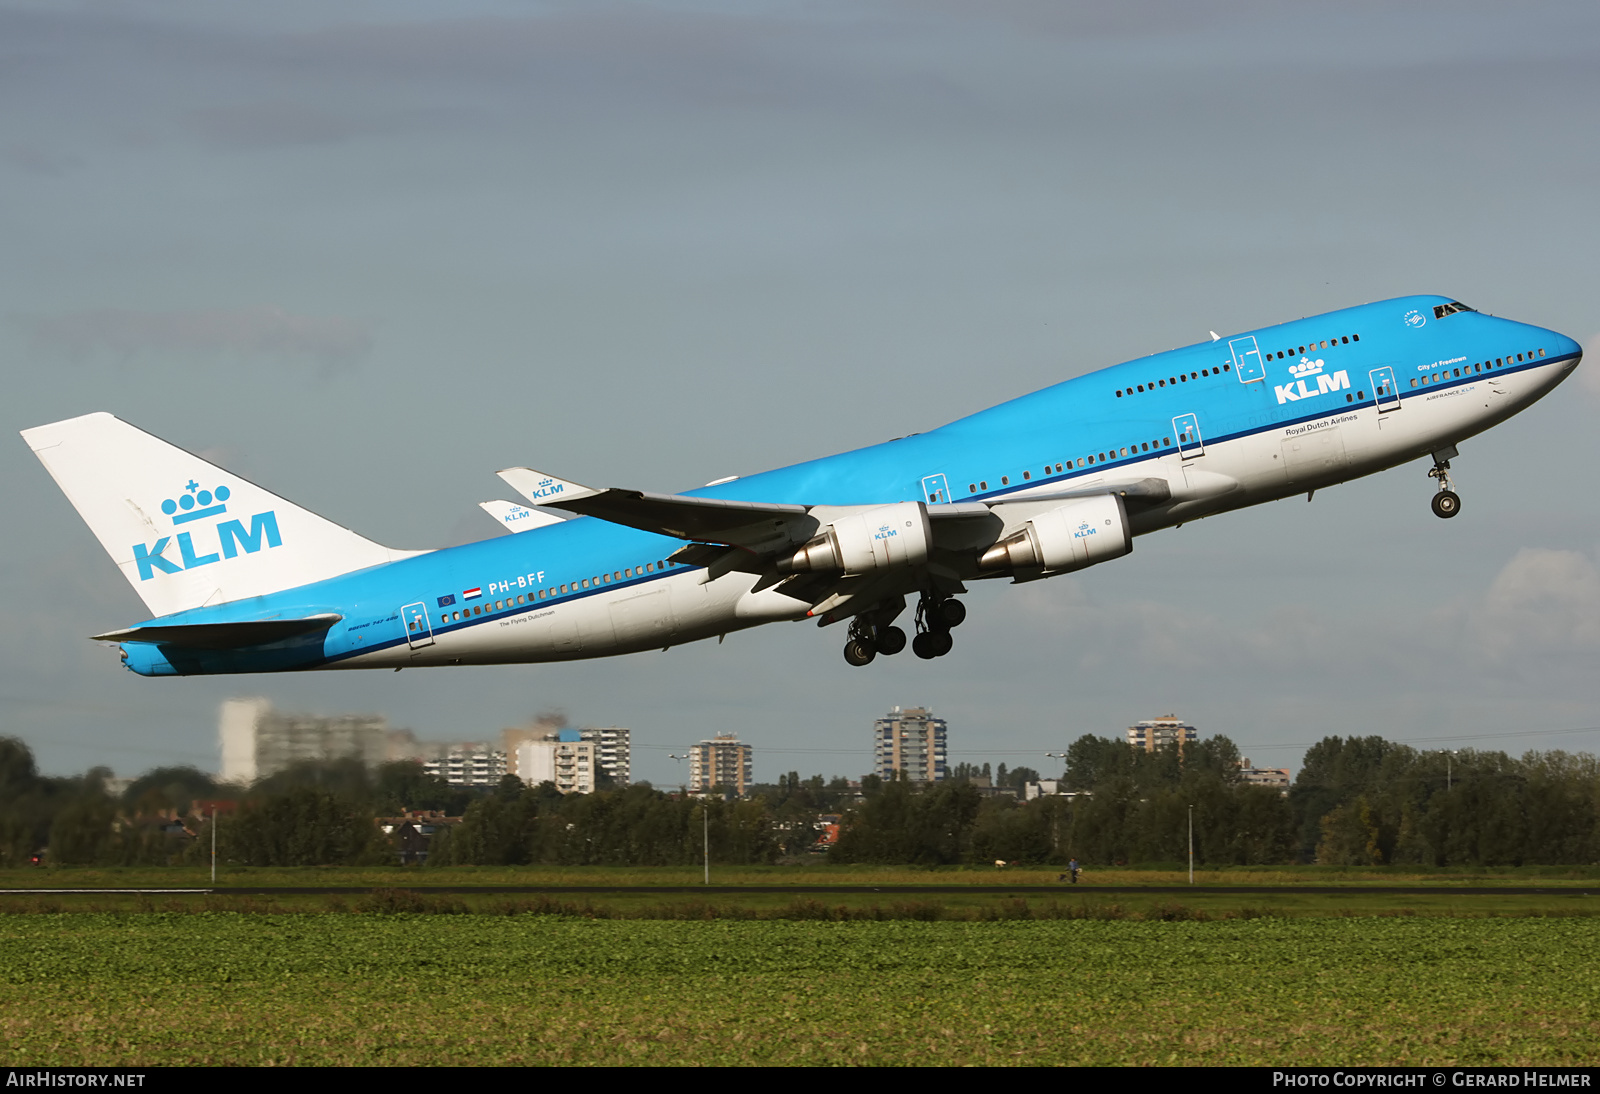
x=1589, y=378
x=37, y=159
x=269, y=125
x=1544, y=603
x=269, y=331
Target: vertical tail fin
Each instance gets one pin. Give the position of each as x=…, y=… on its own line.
x=184, y=532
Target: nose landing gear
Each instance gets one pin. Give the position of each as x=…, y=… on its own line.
x=1446, y=503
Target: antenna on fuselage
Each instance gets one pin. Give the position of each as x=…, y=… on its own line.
x=1215, y=337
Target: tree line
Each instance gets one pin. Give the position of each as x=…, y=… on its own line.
x=1358, y=801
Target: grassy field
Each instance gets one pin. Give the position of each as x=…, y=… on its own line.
x=970, y=893
x=412, y=877
x=228, y=988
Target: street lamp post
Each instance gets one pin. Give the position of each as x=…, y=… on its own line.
x=1191, y=845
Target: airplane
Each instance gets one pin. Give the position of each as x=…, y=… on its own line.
x=241, y=580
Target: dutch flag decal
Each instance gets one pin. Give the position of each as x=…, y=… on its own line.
x=472, y=594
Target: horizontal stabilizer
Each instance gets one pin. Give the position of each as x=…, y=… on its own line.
x=706, y=520
x=518, y=518
x=223, y=636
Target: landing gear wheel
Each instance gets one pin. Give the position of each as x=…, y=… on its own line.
x=941, y=642
x=859, y=652
x=891, y=640
x=952, y=611
x=1446, y=504
x=926, y=645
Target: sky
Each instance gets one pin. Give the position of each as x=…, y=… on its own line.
x=368, y=254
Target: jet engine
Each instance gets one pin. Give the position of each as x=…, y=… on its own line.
x=875, y=539
x=1070, y=537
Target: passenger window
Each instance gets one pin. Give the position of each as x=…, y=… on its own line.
x=1147, y=448
x=1163, y=383
x=1541, y=353
x=1355, y=338
x=649, y=567
x=1080, y=461
x=1124, y=451
x=1058, y=467
x=972, y=488
x=1227, y=368
x=1141, y=387
x=1026, y=475
x=983, y=484
x=477, y=609
x=1119, y=393
x=1413, y=381
x=1005, y=480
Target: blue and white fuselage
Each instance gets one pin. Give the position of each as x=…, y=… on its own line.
x=243, y=581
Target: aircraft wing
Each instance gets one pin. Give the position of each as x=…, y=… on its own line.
x=744, y=524
x=756, y=529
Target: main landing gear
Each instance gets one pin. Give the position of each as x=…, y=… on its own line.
x=1446, y=503
x=871, y=635
x=935, y=617
x=868, y=640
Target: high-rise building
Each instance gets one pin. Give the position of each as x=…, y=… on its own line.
x=721, y=761
x=1160, y=732
x=612, y=749
x=912, y=742
x=258, y=741
x=563, y=758
x=463, y=763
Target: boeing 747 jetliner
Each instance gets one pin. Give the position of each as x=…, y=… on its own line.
x=240, y=580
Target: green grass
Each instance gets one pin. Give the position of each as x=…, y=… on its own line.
x=227, y=988
x=798, y=875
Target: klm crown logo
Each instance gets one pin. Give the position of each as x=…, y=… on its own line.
x=1303, y=370
x=193, y=496
x=195, y=504
x=548, y=488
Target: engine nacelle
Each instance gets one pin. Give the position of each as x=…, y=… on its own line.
x=1077, y=534
x=875, y=539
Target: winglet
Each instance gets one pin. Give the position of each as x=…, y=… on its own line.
x=542, y=489
x=518, y=518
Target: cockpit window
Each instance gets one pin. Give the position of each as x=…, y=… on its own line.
x=1442, y=310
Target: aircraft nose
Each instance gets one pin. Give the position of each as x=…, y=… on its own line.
x=1566, y=347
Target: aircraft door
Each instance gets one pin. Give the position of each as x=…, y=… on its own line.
x=1187, y=428
x=1247, y=359
x=1385, y=392
x=935, y=490
x=419, y=632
